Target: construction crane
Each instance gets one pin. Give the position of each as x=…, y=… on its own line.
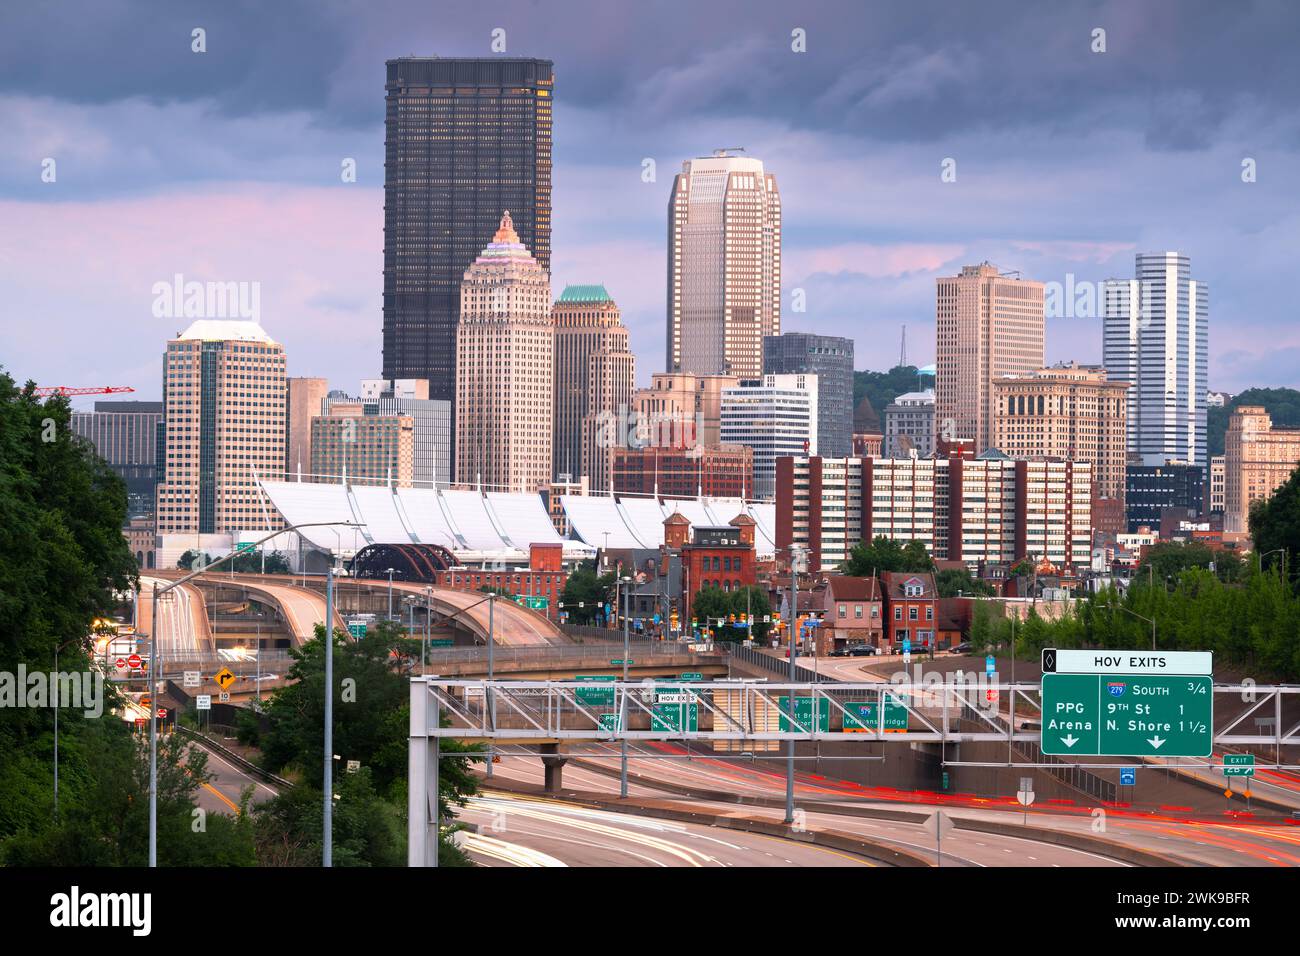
x=67, y=392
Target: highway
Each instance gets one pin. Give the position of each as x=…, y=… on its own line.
x=182, y=617
x=960, y=848
x=221, y=794
x=528, y=831
x=1210, y=842
x=512, y=625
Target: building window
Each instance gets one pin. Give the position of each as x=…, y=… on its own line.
x=913, y=613
x=857, y=611
x=843, y=612
x=898, y=613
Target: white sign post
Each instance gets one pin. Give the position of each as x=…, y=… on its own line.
x=1025, y=796
x=203, y=701
x=938, y=823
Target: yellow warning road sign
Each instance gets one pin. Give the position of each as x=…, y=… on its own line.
x=224, y=677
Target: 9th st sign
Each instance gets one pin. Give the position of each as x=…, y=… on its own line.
x=1130, y=712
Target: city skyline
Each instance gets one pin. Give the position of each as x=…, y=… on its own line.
x=866, y=226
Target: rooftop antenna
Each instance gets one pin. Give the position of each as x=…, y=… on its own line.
x=902, y=348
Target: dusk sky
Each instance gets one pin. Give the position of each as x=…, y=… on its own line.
x=225, y=165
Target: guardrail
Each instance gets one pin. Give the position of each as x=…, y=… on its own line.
x=241, y=762
x=638, y=651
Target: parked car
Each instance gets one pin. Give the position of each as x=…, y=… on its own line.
x=863, y=650
x=962, y=648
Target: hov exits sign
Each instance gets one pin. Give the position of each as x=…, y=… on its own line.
x=1121, y=703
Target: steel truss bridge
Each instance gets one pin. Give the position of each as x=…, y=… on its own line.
x=747, y=714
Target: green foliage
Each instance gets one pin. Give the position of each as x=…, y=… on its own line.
x=954, y=582
x=883, y=387
x=1166, y=560
x=250, y=562
x=1275, y=524
x=712, y=603
x=886, y=554
x=585, y=594
x=371, y=723
x=1283, y=404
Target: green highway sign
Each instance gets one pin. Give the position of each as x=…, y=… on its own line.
x=692, y=676
x=245, y=548
x=620, y=662
x=1127, y=715
x=803, y=713
x=609, y=722
x=357, y=629
x=862, y=716
x=536, y=603
x=596, y=696
x=442, y=642
x=1239, y=765
x=671, y=717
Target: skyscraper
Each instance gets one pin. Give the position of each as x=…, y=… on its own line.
x=303, y=397
x=464, y=139
x=988, y=325
x=505, y=357
x=830, y=358
x=595, y=375
x=724, y=265
x=125, y=435
x=224, y=420
x=1157, y=337
x=774, y=415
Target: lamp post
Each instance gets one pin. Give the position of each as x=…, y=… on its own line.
x=153, y=669
x=1260, y=558
x=796, y=554
x=622, y=782
x=1143, y=617
x=390, y=593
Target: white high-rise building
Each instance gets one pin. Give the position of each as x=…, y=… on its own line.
x=775, y=416
x=1157, y=337
x=724, y=265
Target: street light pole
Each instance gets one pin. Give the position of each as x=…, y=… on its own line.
x=622, y=784
x=327, y=848
x=789, y=747
x=153, y=669
x=390, y=594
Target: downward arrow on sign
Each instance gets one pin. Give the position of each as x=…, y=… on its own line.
x=1070, y=741
x=1155, y=742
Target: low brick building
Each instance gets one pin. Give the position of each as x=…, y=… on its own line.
x=853, y=611
x=910, y=609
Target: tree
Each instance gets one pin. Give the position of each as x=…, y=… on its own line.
x=886, y=554
x=1282, y=404
x=712, y=603
x=585, y=595
x=371, y=726
x=883, y=387
x=1275, y=524
x=952, y=582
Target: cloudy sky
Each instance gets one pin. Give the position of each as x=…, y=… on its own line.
x=225, y=165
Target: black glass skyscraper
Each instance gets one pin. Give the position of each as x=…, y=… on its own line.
x=465, y=140
x=830, y=358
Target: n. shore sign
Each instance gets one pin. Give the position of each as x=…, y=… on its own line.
x=1127, y=703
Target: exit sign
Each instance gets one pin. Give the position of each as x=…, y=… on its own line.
x=1127, y=714
x=1239, y=765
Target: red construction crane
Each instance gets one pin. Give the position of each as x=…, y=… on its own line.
x=64, y=390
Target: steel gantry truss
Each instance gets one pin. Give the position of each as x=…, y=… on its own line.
x=746, y=712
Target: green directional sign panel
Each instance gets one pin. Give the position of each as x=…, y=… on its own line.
x=595, y=696
x=1239, y=765
x=862, y=715
x=1128, y=715
x=803, y=714
x=692, y=675
x=609, y=722
x=675, y=717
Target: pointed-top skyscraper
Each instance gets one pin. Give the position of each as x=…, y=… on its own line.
x=505, y=345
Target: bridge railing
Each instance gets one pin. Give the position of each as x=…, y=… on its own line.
x=638, y=652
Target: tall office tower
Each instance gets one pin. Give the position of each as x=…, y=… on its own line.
x=1068, y=412
x=595, y=375
x=724, y=265
x=505, y=356
x=1157, y=330
x=681, y=411
x=464, y=139
x=224, y=420
x=775, y=415
x=366, y=449
x=125, y=435
x=988, y=325
x=432, y=417
x=304, y=397
x=830, y=358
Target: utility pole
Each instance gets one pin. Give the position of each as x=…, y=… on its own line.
x=789, y=746
x=622, y=784
x=327, y=848
x=491, y=700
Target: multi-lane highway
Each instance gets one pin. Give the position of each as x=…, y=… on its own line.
x=511, y=830
x=182, y=619
x=830, y=802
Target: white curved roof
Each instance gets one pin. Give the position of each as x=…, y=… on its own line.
x=462, y=521
x=639, y=522
x=226, y=330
